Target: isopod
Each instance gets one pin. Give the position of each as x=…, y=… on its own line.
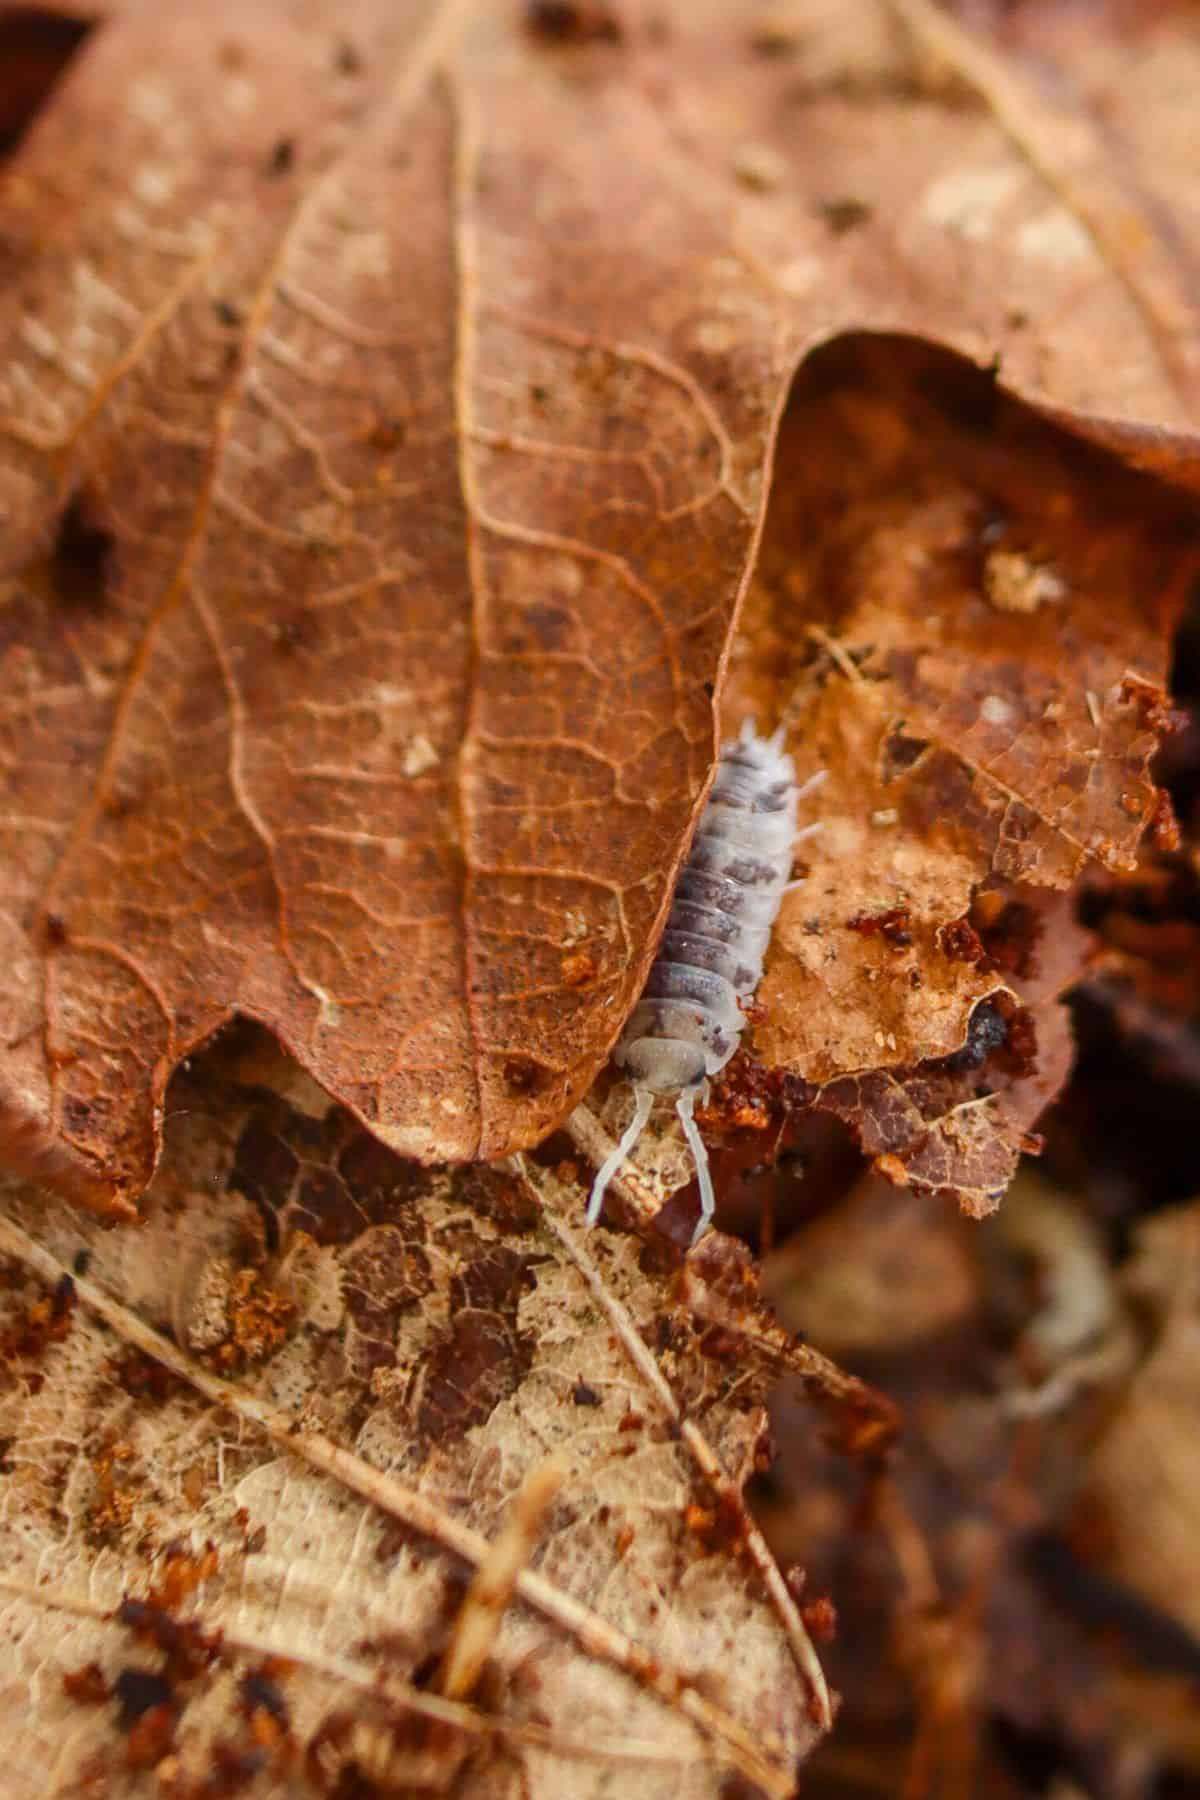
x=686, y=1025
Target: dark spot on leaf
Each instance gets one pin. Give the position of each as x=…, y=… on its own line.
x=482, y=1357
x=845, y=214
x=87, y=1685
x=574, y=21
x=500, y=1197
x=960, y=942
x=523, y=1074
x=282, y=157
x=138, y=1691
x=384, y=1275
x=184, y=1643
x=387, y=433
x=546, y=627
x=256, y=1690
x=893, y=926
x=81, y=557
x=142, y=1378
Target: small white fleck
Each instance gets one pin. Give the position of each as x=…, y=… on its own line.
x=995, y=710
x=1093, y=706
x=800, y=275
x=966, y=201
x=565, y=574
x=576, y=931
x=886, y=815
x=152, y=184
x=713, y=336
x=1014, y=583
x=419, y=756
x=147, y=101
x=38, y=338
x=1055, y=237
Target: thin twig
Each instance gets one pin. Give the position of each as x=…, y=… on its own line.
x=486, y=1600
x=702, y=1454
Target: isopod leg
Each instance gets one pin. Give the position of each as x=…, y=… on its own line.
x=708, y=1204
x=811, y=785
x=643, y=1100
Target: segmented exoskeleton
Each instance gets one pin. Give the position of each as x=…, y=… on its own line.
x=686, y=1025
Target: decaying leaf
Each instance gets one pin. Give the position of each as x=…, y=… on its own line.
x=1135, y=1507
x=264, y=1437
x=388, y=403
x=967, y=744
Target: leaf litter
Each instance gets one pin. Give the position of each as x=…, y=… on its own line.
x=445, y=1340
x=399, y=608
x=524, y=498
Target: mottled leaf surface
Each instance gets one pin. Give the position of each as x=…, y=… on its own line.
x=444, y=1335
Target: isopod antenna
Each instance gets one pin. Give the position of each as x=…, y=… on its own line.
x=708, y=1204
x=643, y=1101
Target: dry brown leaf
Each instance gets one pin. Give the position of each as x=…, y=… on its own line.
x=308, y=1388
x=387, y=409
x=959, y=1124
x=968, y=742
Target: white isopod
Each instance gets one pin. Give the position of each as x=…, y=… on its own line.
x=686, y=1025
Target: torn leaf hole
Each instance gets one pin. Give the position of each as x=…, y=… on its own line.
x=900, y=753
x=80, y=558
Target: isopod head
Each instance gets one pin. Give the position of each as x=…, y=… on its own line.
x=663, y=1065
